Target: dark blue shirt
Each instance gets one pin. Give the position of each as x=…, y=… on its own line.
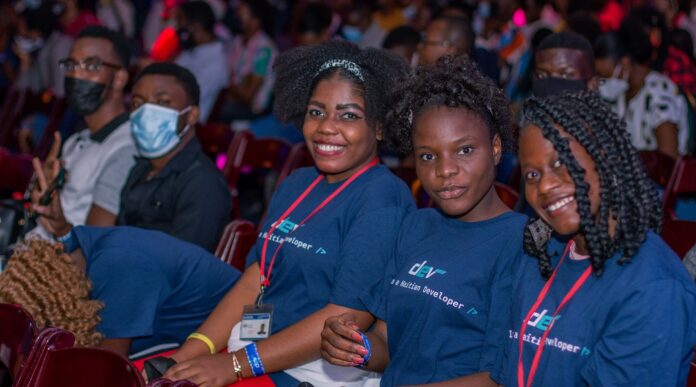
x=448, y=303
x=341, y=250
x=633, y=326
x=155, y=288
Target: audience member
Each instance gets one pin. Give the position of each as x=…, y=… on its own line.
x=173, y=187
x=202, y=53
x=338, y=94
x=456, y=121
x=75, y=15
x=313, y=24
x=39, y=45
x=596, y=280
x=563, y=62
x=403, y=41
x=96, y=159
x=251, y=59
x=654, y=111
x=121, y=288
x=446, y=35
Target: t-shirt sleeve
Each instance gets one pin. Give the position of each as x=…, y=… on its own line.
x=664, y=105
x=107, y=190
x=367, y=248
x=644, y=341
x=130, y=301
x=202, y=210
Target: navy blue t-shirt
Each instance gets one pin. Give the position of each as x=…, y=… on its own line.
x=155, y=288
x=633, y=326
x=447, y=299
x=341, y=250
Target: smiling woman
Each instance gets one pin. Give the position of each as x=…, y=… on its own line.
x=607, y=280
x=341, y=220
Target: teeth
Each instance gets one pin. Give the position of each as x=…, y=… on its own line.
x=560, y=203
x=329, y=148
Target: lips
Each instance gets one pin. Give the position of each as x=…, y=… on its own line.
x=450, y=192
x=559, y=205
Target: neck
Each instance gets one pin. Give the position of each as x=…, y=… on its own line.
x=580, y=244
x=488, y=207
x=159, y=163
x=336, y=177
x=105, y=114
x=248, y=34
x=636, y=80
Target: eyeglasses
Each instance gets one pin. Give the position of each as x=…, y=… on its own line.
x=90, y=65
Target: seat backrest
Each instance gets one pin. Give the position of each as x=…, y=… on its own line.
x=658, y=165
x=298, y=157
x=246, y=154
x=215, y=138
x=683, y=181
x=237, y=239
x=47, y=340
x=680, y=235
x=508, y=195
x=87, y=367
x=691, y=381
x=17, y=332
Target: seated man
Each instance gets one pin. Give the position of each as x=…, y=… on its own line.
x=121, y=288
x=173, y=187
x=202, y=53
x=563, y=62
x=96, y=159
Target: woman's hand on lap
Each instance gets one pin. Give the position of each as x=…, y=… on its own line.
x=207, y=370
x=341, y=342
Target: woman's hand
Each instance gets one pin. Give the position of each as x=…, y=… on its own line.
x=341, y=342
x=207, y=370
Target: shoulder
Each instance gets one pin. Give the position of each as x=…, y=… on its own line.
x=659, y=85
x=381, y=186
x=121, y=137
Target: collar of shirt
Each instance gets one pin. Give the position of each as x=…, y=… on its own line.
x=104, y=132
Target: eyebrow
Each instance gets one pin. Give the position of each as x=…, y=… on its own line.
x=342, y=106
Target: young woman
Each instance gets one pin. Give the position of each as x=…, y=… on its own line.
x=613, y=305
x=442, y=306
x=329, y=230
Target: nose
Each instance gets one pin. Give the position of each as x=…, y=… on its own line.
x=548, y=183
x=327, y=126
x=446, y=167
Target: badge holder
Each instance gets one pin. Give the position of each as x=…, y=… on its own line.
x=256, y=320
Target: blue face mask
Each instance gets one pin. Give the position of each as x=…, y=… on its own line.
x=154, y=129
x=352, y=33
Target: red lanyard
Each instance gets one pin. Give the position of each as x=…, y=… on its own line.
x=540, y=298
x=266, y=279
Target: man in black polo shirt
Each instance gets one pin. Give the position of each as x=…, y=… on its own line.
x=173, y=187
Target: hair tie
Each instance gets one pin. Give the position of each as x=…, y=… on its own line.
x=349, y=66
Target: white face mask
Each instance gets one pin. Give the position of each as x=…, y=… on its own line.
x=614, y=88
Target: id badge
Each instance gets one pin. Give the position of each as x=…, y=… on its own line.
x=256, y=322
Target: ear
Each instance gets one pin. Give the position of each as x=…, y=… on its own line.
x=497, y=148
x=192, y=116
x=379, y=133
x=120, y=79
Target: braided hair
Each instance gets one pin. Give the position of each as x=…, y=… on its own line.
x=626, y=194
x=299, y=70
x=453, y=82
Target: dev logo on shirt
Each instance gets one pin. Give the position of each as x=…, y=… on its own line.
x=542, y=321
x=421, y=270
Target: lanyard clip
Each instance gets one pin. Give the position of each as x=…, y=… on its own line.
x=259, y=298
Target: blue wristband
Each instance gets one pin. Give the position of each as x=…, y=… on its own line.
x=366, y=344
x=254, y=360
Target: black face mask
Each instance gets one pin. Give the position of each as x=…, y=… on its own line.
x=185, y=38
x=546, y=87
x=83, y=96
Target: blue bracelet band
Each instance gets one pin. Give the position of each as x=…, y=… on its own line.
x=254, y=360
x=366, y=344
